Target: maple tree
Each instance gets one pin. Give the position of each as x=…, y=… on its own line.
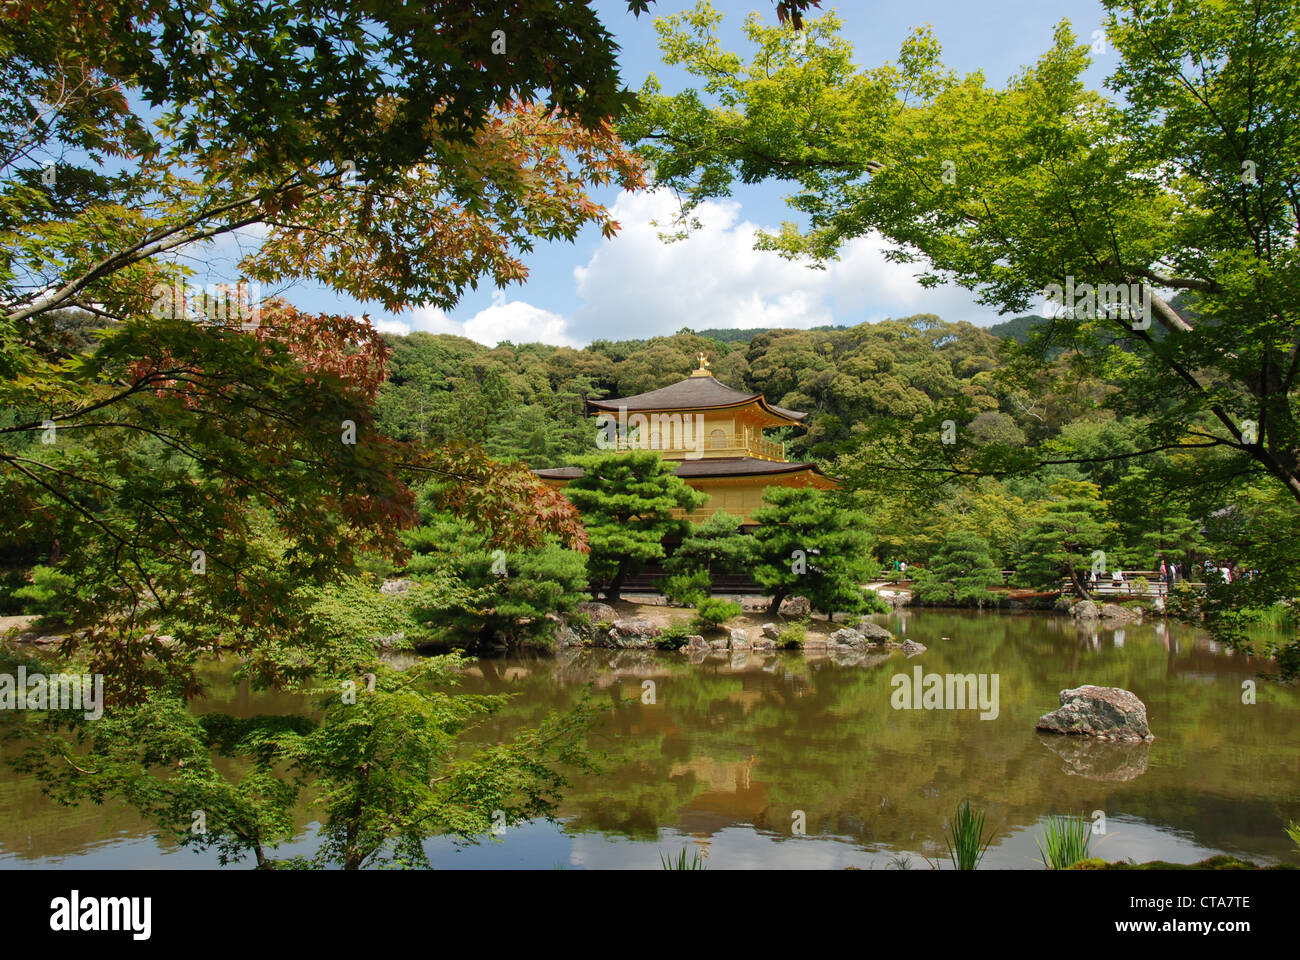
x=186, y=468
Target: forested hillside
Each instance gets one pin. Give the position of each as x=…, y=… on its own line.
x=1022, y=443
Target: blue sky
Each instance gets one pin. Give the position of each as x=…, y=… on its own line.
x=635, y=286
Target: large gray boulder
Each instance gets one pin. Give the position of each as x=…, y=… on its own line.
x=1107, y=713
x=1085, y=610
x=796, y=607
x=598, y=612
x=874, y=632
x=771, y=631
x=911, y=648
x=1117, y=614
x=739, y=640
x=847, y=638
x=634, y=632
x=696, y=644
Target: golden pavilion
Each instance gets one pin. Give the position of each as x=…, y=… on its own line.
x=715, y=431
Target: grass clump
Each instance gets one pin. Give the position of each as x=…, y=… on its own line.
x=1066, y=841
x=966, y=841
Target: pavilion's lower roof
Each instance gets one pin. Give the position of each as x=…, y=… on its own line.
x=706, y=467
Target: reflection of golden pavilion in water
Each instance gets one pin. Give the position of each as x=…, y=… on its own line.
x=716, y=432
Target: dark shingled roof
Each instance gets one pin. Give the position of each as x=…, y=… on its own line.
x=693, y=393
x=705, y=467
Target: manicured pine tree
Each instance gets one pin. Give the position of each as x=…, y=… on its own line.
x=959, y=573
x=714, y=546
x=627, y=502
x=1062, y=540
x=808, y=544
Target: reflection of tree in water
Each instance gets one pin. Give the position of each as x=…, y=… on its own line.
x=789, y=732
x=725, y=747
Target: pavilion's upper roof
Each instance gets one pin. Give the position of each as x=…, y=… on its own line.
x=694, y=393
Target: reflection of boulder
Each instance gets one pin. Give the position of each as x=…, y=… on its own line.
x=1099, y=759
x=697, y=655
x=635, y=662
x=1109, y=713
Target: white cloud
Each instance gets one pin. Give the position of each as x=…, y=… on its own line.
x=637, y=286
x=514, y=320
x=715, y=278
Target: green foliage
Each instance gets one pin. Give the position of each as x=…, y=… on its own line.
x=792, y=636
x=965, y=838
x=47, y=595
x=713, y=612
x=673, y=636
x=687, y=589
x=382, y=764
x=714, y=546
x=959, y=574
x=1061, y=541
x=1066, y=840
x=511, y=592
x=1293, y=831
x=808, y=544
x=1187, y=408
x=627, y=502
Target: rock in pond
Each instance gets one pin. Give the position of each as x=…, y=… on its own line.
x=1117, y=614
x=911, y=648
x=1107, y=713
x=1085, y=610
x=847, y=638
x=874, y=632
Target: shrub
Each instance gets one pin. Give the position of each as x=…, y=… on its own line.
x=712, y=613
x=687, y=589
x=673, y=636
x=873, y=603
x=793, y=636
x=48, y=593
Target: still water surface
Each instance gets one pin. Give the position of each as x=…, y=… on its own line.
x=733, y=748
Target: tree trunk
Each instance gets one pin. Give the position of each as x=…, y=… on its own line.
x=778, y=595
x=614, y=592
x=1079, y=588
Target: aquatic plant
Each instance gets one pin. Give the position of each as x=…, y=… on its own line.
x=1066, y=840
x=966, y=841
x=680, y=862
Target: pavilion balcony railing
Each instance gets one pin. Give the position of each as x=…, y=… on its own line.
x=714, y=444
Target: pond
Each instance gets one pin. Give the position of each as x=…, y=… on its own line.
x=735, y=754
